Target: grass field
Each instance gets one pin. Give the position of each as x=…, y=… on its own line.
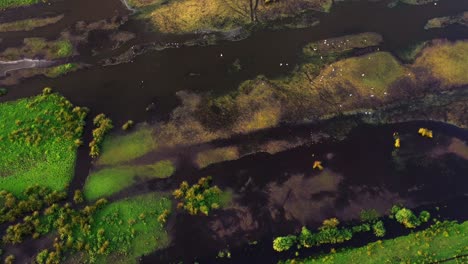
x=133, y=226
x=108, y=181
x=443, y=240
x=125, y=147
x=29, y=24
x=38, y=141
x=16, y=3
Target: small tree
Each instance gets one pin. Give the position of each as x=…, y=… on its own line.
x=407, y=218
x=78, y=197
x=424, y=216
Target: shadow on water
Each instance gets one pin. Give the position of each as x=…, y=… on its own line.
x=125, y=90
x=278, y=194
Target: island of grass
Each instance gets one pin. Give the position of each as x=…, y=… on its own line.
x=441, y=242
x=4, y=4
x=108, y=181
x=219, y=15
x=38, y=141
x=39, y=47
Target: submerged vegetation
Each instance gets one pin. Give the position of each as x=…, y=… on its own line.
x=440, y=22
x=29, y=24
x=107, y=181
x=121, y=148
x=38, y=141
x=442, y=241
x=201, y=197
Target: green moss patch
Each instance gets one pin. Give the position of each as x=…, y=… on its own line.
x=443, y=240
x=38, y=141
x=108, y=181
x=29, y=24
x=125, y=147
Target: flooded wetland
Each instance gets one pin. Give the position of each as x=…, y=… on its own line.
x=234, y=131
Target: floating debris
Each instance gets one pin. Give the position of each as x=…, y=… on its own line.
x=397, y=139
x=318, y=165
x=425, y=132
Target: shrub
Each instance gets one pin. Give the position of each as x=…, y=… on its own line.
x=200, y=197
x=284, y=243
x=424, y=216
x=129, y=124
x=407, y=218
x=379, y=229
x=103, y=125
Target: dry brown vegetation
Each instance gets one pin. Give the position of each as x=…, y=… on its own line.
x=181, y=16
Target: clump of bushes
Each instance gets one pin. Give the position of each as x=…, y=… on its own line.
x=406, y=217
x=36, y=197
x=328, y=233
x=201, y=197
x=103, y=125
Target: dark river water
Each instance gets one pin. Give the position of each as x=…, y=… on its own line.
x=124, y=91
x=277, y=194
x=273, y=194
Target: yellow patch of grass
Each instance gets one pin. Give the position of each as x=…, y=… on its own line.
x=213, y=156
x=447, y=62
x=192, y=15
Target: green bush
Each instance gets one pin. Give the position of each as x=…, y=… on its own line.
x=379, y=229
x=284, y=243
x=424, y=216
x=200, y=197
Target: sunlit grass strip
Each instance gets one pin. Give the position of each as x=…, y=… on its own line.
x=109, y=181
x=38, y=141
x=29, y=24
x=120, y=148
x=443, y=240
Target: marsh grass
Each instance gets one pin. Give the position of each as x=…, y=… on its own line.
x=39, y=47
x=119, y=148
x=108, y=181
x=443, y=240
x=29, y=24
x=38, y=141
x=212, y=156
